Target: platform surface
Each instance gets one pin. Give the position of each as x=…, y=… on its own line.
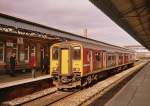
x=6, y=80
x=136, y=92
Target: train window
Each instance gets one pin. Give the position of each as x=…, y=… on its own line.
x=113, y=57
x=120, y=57
x=98, y=56
x=76, y=53
x=1, y=52
x=109, y=57
x=55, y=53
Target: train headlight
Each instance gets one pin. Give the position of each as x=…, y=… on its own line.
x=54, y=68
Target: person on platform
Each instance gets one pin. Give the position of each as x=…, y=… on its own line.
x=12, y=65
x=33, y=64
x=45, y=64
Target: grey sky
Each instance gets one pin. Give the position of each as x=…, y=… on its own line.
x=69, y=15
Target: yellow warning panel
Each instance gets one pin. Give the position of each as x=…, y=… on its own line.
x=64, y=61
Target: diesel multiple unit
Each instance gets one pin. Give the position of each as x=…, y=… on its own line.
x=75, y=63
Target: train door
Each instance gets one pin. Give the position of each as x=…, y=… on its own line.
x=64, y=61
x=101, y=60
x=117, y=59
x=91, y=61
x=104, y=59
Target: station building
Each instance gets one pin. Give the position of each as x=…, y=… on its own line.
x=23, y=47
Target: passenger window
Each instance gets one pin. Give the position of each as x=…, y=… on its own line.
x=120, y=57
x=109, y=57
x=113, y=57
x=76, y=53
x=55, y=53
x=98, y=56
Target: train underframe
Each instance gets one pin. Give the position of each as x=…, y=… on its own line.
x=73, y=81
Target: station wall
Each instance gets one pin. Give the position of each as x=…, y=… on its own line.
x=23, y=47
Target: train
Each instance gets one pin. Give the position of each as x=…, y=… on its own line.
x=74, y=63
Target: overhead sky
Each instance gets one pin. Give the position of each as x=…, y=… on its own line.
x=69, y=15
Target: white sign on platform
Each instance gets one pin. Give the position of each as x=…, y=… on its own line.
x=9, y=44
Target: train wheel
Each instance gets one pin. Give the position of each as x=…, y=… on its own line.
x=95, y=77
x=89, y=79
x=92, y=76
x=84, y=82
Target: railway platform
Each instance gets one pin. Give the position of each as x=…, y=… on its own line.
x=5, y=78
x=22, y=84
x=136, y=92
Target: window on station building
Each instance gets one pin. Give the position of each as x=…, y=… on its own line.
x=26, y=53
x=76, y=53
x=55, y=53
x=15, y=50
x=11, y=48
x=1, y=52
x=32, y=49
x=20, y=53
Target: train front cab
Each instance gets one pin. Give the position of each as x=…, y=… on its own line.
x=66, y=62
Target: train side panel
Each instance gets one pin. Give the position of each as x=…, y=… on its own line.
x=111, y=59
x=93, y=60
x=98, y=59
x=86, y=60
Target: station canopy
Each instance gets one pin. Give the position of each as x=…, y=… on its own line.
x=131, y=15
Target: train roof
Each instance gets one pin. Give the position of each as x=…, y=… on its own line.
x=100, y=46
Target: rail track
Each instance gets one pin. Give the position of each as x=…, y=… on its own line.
x=50, y=99
x=29, y=98
x=75, y=97
x=44, y=97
